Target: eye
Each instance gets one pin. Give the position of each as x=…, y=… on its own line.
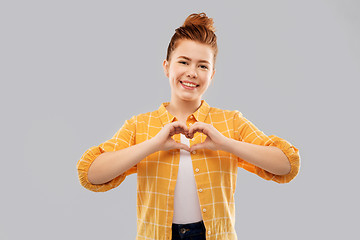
x=203, y=67
x=182, y=62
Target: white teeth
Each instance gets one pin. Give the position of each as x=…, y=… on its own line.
x=188, y=84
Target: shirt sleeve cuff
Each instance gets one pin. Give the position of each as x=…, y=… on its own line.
x=292, y=153
x=83, y=166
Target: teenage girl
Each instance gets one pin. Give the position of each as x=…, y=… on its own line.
x=186, y=153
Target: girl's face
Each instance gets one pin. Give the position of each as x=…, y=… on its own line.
x=190, y=70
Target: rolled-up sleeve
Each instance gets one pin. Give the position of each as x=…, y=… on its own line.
x=248, y=132
x=123, y=138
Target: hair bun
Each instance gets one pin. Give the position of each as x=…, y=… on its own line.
x=200, y=19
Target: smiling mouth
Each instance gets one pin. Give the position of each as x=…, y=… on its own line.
x=189, y=84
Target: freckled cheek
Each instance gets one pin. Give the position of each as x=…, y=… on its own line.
x=175, y=81
x=175, y=75
x=205, y=79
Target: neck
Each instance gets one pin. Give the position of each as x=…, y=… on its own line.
x=182, y=109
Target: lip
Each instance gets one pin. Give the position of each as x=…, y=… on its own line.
x=189, y=82
x=189, y=88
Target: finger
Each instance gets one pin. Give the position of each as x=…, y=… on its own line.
x=198, y=146
x=187, y=135
x=197, y=125
x=190, y=136
x=179, y=127
x=180, y=130
x=181, y=124
x=199, y=128
x=182, y=146
x=177, y=130
x=173, y=129
x=193, y=130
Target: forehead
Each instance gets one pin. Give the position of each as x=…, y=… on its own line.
x=194, y=50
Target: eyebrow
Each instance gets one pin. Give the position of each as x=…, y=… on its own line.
x=189, y=59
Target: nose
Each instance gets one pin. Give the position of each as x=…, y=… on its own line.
x=191, y=73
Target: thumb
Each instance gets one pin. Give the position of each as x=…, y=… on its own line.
x=182, y=146
x=197, y=146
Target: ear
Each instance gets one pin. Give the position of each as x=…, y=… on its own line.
x=212, y=75
x=166, y=68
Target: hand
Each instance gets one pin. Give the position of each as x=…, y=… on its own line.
x=214, y=139
x=163, y=139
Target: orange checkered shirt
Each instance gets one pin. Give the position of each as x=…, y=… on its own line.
x=215, y=171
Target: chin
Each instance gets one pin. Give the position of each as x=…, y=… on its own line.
x=189, y=98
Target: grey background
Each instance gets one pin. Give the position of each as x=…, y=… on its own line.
x=69, y=74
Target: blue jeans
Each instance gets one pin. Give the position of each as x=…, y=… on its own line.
x=191, y=231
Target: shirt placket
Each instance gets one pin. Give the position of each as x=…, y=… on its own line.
x=199, y=168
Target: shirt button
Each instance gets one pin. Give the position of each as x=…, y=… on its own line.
x=193, y=152
x=190, y=124
x=200, y=190
x=204, y=210
x=209, y=232
x=191, y=117
x=197, y=170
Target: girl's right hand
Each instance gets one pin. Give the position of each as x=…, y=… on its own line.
x=163, y=139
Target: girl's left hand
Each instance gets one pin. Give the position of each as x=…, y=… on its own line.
x=214, y=139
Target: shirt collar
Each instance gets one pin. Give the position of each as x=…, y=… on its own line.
x=200, y=114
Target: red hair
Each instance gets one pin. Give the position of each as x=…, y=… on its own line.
x=197, y=27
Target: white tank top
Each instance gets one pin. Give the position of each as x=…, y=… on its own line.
x=186, y=200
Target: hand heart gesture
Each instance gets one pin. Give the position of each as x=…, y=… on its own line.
x=214, y=139
x=164, y=141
